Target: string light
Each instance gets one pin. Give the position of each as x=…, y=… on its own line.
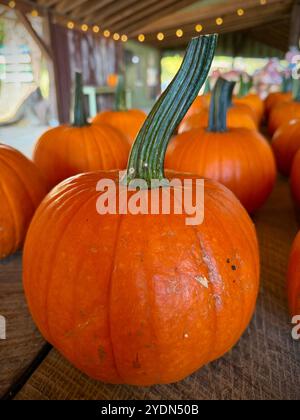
x=106, y=34
x=84, y=27
x=70, y=25
x=141, y=38
x=263, y=2
x=179, y=33
x=34, y=13
x=116, y=36
x=160, y=36
x=96, y=29
x=124, y=38
x=219, y=21
x=198, y=28
x=240, y=12
x=12, y=4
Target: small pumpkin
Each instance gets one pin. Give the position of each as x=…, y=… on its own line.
x=295, y=179
x=239, y=158
x=294, y=278
x=286, y=143
x=285, y=112
x=69, y=150
x=143, y=299
x=22, y=188
x=252, y=100
x=128, y=121
x=275, y=98
x=238, y=116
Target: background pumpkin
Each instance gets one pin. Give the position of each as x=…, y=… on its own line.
x=21, y=191
x=239, y=158
x=252, y=100
x=239, y=115
x=121, y=312
x=294, y=278
x=69, y=150
x=128, y=121
x=286, y=143
x=275, y=98
x=285, y=112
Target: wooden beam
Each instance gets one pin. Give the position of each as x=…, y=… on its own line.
x=27, y=24
x=295, y=25
x=91, y=7
x=66, y=6
x=47, y=3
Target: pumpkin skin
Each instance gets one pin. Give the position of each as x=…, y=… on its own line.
x=66, y=151
x=285, y=144
x=199, y=103
x=294, y=278
x=128, y=122
x=275, y=98
x=295, y=179
x=237, y=116
x=22, y=188
x=255, y=103
x=121, y=300
x=241, y=159
x=282, y=114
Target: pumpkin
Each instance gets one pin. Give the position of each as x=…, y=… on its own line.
x=252, y=100
x=294, y=278
x=275, y=98
x=69, y=150
x=143, y=299
x=128, y=121
x=112, y=80
x=239, y=158
x=237, y=116
x=285, y=143
x=200, y=103
x=21, y=191
x=295, y=179
x=284, y=112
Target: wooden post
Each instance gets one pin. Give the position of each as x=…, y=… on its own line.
x=295, y=25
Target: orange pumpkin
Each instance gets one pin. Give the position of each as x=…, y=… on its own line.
x=295, y=179
x=128, y=121
x=285, y=143
x=21, y=191
x=112, y=80
x=200, y=103
x=275, y=98
x=69, y=150
x=284, y=112
x=294, y=278
x=239, y=158
x=254, y=102
x=237, y=116
x=143, y=299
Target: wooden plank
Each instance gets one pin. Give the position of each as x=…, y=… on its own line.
x=66, y=6
x=264, y=365
x=91, y=7
x=23, y=342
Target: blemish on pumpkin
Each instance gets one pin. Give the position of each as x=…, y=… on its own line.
x=136, y=363
x=101, y=353
x=233, y=267
x=228, y=261
x=202, y=280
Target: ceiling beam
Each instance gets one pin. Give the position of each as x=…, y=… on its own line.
x=66, y=6
x=91, y=7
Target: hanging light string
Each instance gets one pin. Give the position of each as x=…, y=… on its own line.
x=107, y=33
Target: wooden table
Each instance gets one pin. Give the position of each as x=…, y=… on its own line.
x=264, y=365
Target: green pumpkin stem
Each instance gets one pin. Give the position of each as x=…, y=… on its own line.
x=296, y=89
x=120, y=100
x=244, y=87
x=287, y=84
x=147, y=156
x=80, y=118
x=221, y=100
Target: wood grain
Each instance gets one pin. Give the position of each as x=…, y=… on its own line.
x=23, y=342
x=264, y=365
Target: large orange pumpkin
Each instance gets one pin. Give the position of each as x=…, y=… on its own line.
x=69, y=150
x=286, y=143
x=284, y=112
x=295, y=179
x=143, y=299
x=21, y=191
x=128, y=121
x=239, y=115
x=275, y=98
x=239, y=158
x=294, y=278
